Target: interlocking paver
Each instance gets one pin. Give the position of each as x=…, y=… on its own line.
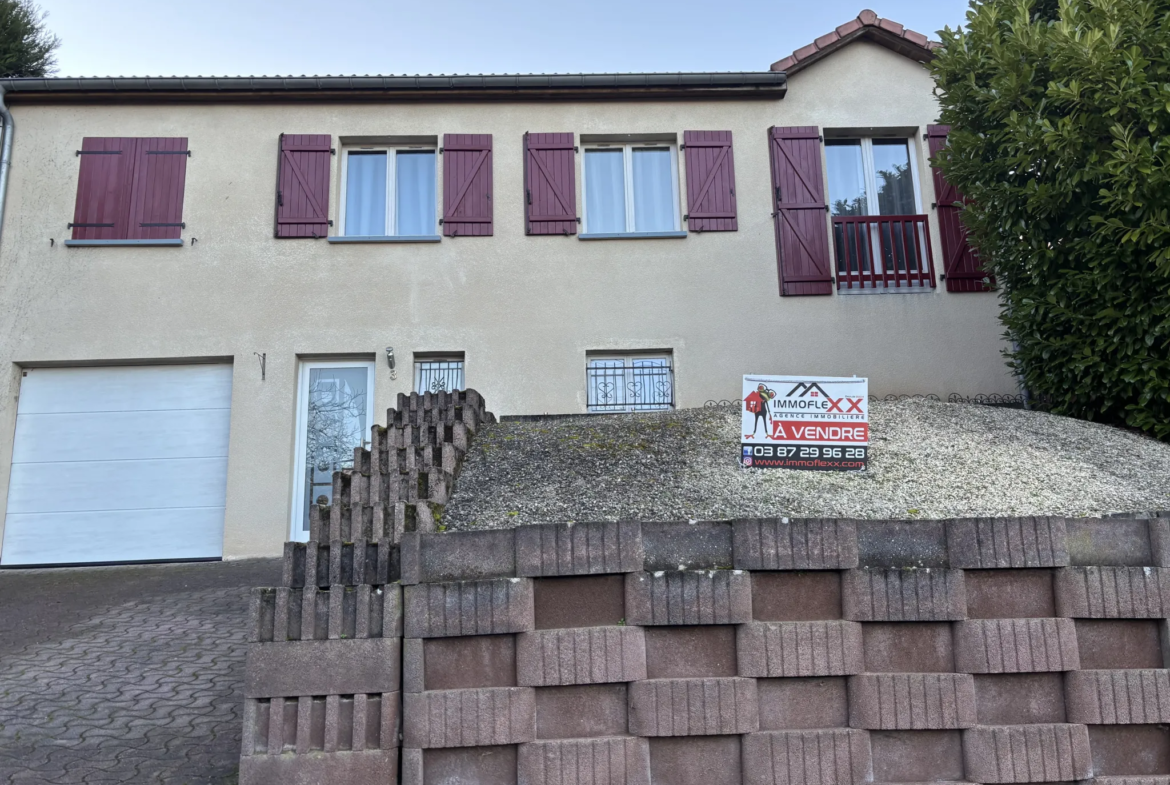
x=146, y=691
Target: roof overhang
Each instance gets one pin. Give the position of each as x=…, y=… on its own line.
x=757, y=84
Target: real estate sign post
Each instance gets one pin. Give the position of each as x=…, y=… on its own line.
x=805, y=422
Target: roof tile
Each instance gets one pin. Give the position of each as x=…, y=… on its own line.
x=806, y=55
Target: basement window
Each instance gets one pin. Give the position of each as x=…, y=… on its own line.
x=438, y=373
x=629, y=383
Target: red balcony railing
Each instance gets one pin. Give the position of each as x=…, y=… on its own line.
x=882, y=251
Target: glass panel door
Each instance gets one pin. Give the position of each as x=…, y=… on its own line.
x=335, y=412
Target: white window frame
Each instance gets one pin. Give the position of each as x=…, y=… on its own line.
x=869, y=171
x=628, y=174
x=869, y=174
x=627, y=360
x=391, y=184
x=449, y=358
x=298, y=511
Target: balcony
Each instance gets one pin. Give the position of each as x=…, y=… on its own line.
x=900, y=242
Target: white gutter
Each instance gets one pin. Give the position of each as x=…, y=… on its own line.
x=9, y=127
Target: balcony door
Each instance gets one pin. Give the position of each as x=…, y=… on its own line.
x=335, y=409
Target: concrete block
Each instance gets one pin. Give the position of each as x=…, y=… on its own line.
x=585, y=655
x=368, y=767
x=469, y=718
x=999, y=543
x=469, y=662
x=902, y=544
x=458, y=556
x=904, y=595
x=1134, y=750
x=1113, y=592
x=1010, y=594
x=807, y=757
x=1015, y=645
x=495, y=765
x=700, y=652
x=413, y=665
x=579, y=549
x=1027, y=753
x=322, y=667
x=320, y=723
x=796, y=596
x=608, y=761
x=696, y=760
x=1114, y=542
x=799, y=648
x=803, y=704
x=489, y=607
x=908, y=647
x=1020, y=698
x=582, y=711
x=682, y=545
x=582, y=601
x=715, y=597
x=922, y=756
x=1107, y=644
x=911, y=701
x=693, y=707
x=797, y=544
x=1118, y=697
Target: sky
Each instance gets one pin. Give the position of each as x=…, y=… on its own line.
x=294, y=37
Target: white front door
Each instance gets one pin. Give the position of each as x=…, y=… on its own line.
x=119, y=464
x=335, y=409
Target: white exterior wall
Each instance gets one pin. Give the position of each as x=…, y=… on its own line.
x=524, y=309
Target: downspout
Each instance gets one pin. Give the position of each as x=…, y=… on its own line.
x=9, y=126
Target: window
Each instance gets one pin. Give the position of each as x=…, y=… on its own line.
x=388, y=192
x=637, y=383
x=876, y=209
x=436, y=373
x=631, y=189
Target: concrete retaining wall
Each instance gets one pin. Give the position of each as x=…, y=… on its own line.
x=785, y=651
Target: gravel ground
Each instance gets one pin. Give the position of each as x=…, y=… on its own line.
x=927, y=460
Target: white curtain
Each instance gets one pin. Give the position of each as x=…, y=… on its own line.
x=415, y=194
x=365, y=194
x=653, y=192
x=605, y=191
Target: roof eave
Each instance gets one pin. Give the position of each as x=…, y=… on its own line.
x=765, y=84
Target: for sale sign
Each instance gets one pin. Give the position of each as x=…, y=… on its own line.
x=805, y=422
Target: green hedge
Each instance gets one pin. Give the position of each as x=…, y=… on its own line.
x=1060, y=115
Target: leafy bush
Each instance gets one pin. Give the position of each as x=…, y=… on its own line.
x=1060, y=114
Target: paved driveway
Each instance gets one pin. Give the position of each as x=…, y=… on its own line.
x=124, y=674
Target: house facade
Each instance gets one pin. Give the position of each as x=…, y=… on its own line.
x=211, y=288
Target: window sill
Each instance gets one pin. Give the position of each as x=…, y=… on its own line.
x=404, y=238
x=631, y=236
x=95, y=243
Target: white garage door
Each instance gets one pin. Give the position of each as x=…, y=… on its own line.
x=119, y=464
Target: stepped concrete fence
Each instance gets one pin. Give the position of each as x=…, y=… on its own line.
x=747, y=652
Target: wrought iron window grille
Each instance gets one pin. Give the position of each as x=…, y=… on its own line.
x=636, y=385
x=438, y=375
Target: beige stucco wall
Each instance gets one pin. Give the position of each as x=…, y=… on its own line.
x=524, y=309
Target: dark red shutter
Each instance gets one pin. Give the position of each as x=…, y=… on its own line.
x=798, y=196
x=156, y=202
x=961, y=265
x=467, y=185
x=710, y=181
x=550, y=184
x=302, y=185
x=102, y=210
